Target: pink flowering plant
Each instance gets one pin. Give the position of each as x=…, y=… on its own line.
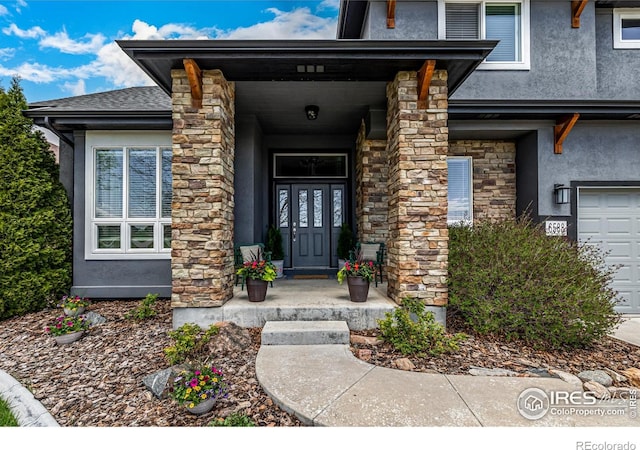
x=194, y=386
x=358, y=268
x=73, y=303
x=258, y=270
x=67, y=324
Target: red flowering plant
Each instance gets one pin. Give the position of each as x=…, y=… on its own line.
x=194, y=386
x=67, y=324
x=258, y=270
x=358, y=268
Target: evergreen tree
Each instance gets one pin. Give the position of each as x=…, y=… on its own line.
x=35, y=217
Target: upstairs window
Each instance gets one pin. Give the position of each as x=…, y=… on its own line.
x=504, y=21
x=626, y=28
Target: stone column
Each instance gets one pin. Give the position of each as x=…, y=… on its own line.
x=203, y=194
x=417, y=151
x=372, y=200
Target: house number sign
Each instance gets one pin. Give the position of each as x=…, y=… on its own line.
x=556, y=227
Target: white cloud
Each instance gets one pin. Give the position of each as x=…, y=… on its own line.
x=37, y=73
x=91, y=43
x=329, y=4
x=6, y=53
x=77, y=88
x=3, y=10
x=295, y=24
x=31, y=33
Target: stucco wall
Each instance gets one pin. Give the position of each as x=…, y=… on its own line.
x=414, y=20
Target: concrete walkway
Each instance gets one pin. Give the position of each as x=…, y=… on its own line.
x=28, y=411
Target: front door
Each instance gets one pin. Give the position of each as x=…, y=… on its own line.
x=310, y=216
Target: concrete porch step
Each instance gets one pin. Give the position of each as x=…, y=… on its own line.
x=305, y=332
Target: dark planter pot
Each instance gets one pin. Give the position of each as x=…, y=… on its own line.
x=358, y=289
x=257, y=290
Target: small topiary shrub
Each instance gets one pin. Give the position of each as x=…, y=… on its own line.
x=233, y=420
x=511, y=280
x=145, y=310
x=190, y=341
x=412, y=329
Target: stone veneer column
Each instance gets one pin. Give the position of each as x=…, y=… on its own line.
x=417, y=151
x=202, y=209
x=372, y=200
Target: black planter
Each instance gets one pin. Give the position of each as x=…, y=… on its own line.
x=358, y=289
x=257, y=289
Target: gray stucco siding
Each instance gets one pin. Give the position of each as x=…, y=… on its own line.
x=117, y=278
x=563, y=60
x=593, y=151
x=414, y=20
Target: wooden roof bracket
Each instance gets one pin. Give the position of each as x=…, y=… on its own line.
x=424, y=81
x=391, y=13
x=194, y=74
x=577, y=6
x=561, y=131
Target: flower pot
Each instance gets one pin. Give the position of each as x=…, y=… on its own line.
x=203, y=407
x=279, y=263
x=71, y=312
x=257, y=290
x=358, y=289
x=68, y=338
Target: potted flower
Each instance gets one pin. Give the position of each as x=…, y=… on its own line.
x=274, y=245
x=197, y=389
x=67, y=329
x=257, y=275
x=358, y=275
x=74, y=306
x=346, y=243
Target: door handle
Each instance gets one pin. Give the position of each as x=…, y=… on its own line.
x=294, y=231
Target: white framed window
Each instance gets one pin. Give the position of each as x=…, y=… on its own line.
x=506, y=21
x=128, y=197
x=626, y=28
x=460, y=190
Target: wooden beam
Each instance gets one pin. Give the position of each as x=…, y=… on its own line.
x=561, y=131
x=194, y=74
x=391, y=13
x=577, y=6
x=424, y=81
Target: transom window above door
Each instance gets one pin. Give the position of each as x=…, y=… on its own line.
x=506, y=21
x=307, y=165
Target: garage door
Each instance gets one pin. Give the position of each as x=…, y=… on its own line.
x=610, y=218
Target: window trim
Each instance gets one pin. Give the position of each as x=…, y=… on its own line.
x=525, y=30
x=124, y=141
x=470, y=220
x=618, y=15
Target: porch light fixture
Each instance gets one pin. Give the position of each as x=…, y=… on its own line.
x=311, y=111
x=561, y=194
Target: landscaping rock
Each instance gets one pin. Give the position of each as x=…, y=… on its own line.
x=599, y=376
x=94, y=318
x=365, y=340
x=543, y=373
x=364, y=354
x=620, y=392
x=231, y=340
x=573, y=380
x=633, y=376
x=617, y=378
x=404, y=364
x=599, y=390
x=159, y=382
x=481, y=371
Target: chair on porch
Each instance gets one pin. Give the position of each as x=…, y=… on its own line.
x=370, y=251
x=249, y=252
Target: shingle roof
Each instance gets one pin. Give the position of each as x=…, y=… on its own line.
x=149, y=98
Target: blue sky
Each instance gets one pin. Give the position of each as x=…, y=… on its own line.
x=63, y=48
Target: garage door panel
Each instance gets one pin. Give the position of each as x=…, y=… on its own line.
x=610, y=218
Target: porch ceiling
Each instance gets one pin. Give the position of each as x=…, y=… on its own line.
x=287, y=60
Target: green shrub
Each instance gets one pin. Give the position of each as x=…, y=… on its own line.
x=35, y=216
x=190, y=341
x=346, y=241
x=412, y=329
x=145, y=310
x=512, y=280
x=233, y=420
x=274, y=243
